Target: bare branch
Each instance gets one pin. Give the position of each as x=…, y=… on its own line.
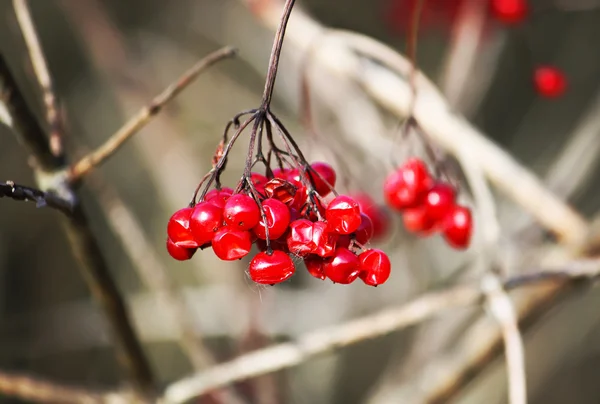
x=43, y=391
x=140, y=119
x=325, y=340
x=27, y=194
x=42, y=74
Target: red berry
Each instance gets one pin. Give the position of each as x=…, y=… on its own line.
x=205, y=221
x=377, y=215
x=241, y=212
x=343, y=267
x=417, y=220
x=509, y=11
x=405, y=187
x=439, y=200
x=271, y=269
x=549, y=81
x=365, y=231
x=324, y=239
x=178, y=252
x=375, y=267
x=278, y=219
x=282, y=173
x=343, y=215
x=178, y=229
x=259, y=181
x=458, y=226
x=314, y=266
x=282, y=190
x=323, y=177
x=230, y=244
x=218, y=197
x=300, y=238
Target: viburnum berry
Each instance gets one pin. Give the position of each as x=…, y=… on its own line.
x=323, y=177
x=178, y=252
x=365, y=231
x=377, y=215
x=417, y=220
x=439, y=200
x=314, y=266
x=300, y=240
x=375, y=267
x=343, y=267
x=343, y=215
x=457, y=227
x=259, y=181
x=206, y=219
x=271, y=269
x=509, y=11
x=178, y=229
x=278, y=219
x=550, y=82
x=324, y=239
x=405, y=187
x=230, y=244
x=241, y=212
x=218, y=196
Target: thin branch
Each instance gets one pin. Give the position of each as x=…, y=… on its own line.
x=41, y=73
x=37, y=390
x=502, y=309
x=142, y=117
x=328, y=339
x=24, y=122
x=22, y=193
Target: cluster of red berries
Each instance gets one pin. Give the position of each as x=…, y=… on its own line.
x=291, y=212
x=428, y=205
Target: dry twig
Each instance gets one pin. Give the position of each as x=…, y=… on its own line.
x=22, y=193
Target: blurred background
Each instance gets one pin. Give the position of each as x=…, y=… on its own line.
x=109, y=58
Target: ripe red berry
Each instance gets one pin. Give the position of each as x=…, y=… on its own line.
x=178, y=252
x=282, y=190
x=377, y=215
x=259, y=181
x=458, y=226
x=439, y=200
x=218, y=197
x=271, y=269
x=375, y=267
x=324, y=239
x=278, y=219
x=300, y=237
x=314, y=266
x=509, y=11
x=343, y=267
x=178, y=229
x=416, y=220
x=323, y=177
x=365, y=231
x=230, y=244
x=405, y=187
x=241, y=212
x=343, y=215
x=205, y=221
x=549, y=81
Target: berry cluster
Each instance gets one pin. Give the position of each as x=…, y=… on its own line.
x=428, y=205
x=291, y=211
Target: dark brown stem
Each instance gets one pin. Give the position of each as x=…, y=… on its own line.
x=28, y=194
x=275, y=54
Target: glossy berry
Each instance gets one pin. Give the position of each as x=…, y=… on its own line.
x=364, y=233
x=300, y=237
x=416, y=220
x=241, y=212
x=375, y=267
x=324, y=239
x=405, y=187
x=278, y=219
x=281, y=189
x=439, y=200
x=343, y=267
x=549, y=81
x=259, y=181
x=205, y=221
x=343, y=215
x=271, y=269
x=179, y=253
x=509, y=11
x=458, y=226
x=323, y=177
x=178, y=229
x=378, y=216
x=314, y=266
x=218, y=197
x=230, y=244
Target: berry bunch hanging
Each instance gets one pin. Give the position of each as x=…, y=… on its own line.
x=428, y=205
x=282, y=204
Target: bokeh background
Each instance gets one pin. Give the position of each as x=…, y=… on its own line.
x=109, y=58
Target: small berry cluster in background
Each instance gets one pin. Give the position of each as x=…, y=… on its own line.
x=548, y=81
x=290, y=211
x=428, y=205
